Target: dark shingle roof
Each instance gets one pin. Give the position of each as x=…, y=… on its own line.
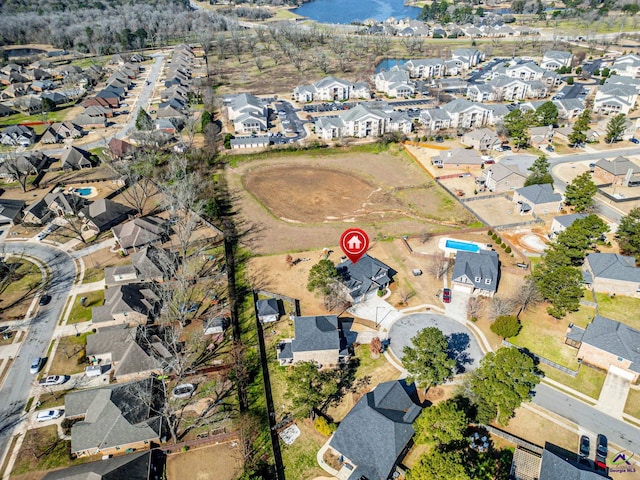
x=364, y=276
x=613, y=266
x=470, y=266
x=376, y=430
x=537, y=194
x=125, y=467
x=104, y=213
x=554, y=467
x=267, y=306
x=616, y=338
x=316, y=333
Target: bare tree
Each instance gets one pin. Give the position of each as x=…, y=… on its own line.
x=502, y=306
x=528, y=295
x=438, y=265
x=405, y=293
x=474, y=308
x=425, y=236
x=375, y=347
x=321, y=61
x=19, y=168
x=137, y=175
x=337, y=298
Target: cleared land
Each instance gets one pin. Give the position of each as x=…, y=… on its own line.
x=305, y=201
x=215, y=462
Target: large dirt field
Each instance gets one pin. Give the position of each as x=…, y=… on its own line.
x=215, y=462
x=304, y=202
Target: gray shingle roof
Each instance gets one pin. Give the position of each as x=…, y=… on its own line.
x=125, y=467
x=616, y=338
x=618, y=166
x=10, y=209
x=366, y=275
x=267, y=306
x=477, y=269
x=104, y=213
x=124, y=299
x=613, y=266
x=376, y=430
x=567, y=220
x=537, y=194
x=140, y=231
x=316, y=333
x=554, y=467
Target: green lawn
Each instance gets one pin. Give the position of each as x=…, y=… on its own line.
x=633, y=404
x=83, y=314
x=588, y=381
x=70, y=355
x=300, y=458
x=93, y=275
x=621, y=308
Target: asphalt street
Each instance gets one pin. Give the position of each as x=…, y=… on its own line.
x=14, y=392
x=618, y=432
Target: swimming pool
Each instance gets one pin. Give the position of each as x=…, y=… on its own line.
x=84, y=192
x=464, y=246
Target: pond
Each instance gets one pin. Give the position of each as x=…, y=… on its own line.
x=388, y=63
x=347, y=11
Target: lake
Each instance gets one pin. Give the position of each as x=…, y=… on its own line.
x=347, y=11
x=388, y=63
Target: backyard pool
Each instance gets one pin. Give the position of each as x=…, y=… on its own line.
x=84, y=191
x=464, y=246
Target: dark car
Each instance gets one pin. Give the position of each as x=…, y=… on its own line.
x=45, y=299
x=585, y=446
x=446, y=295
x=634, y=140
x=601, y=451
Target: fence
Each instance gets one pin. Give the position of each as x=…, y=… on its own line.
x=540, y=359
x=513, y=439
x=293, y=301
x=462, y=203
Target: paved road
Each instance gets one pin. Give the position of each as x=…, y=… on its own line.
x=14, y=392
x=576, y=411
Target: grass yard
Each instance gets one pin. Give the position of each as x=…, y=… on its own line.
x=544, y=335
x=83, y=314
x=213, y=462
x=588, y=381
x=69, y=356
x=96, y=262
x=43, y=450
x=19, y=292
x=633, y=403
x=621, y=308
x=300, y=458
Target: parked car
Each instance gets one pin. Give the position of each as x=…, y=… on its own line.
x=634, y=140
x=44, y=300
x=184, y=390
x=36, y=365
x=446, y=295
x=602, y=450
x=49, y=415
x=585, y=447
x=41, y=236
x=550, y=148
x=53, y=380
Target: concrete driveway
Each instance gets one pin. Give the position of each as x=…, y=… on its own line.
x=462, y=344
x=613, y=395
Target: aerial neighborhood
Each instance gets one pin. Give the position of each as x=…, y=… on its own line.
x=178, y=297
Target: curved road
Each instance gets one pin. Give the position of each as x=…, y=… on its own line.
x=15, y=390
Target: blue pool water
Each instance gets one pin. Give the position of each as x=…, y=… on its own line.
x=84, y=192
x=464, y=246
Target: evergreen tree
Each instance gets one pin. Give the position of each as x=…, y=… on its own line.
x=143, y=120
x=580, y=193
x=615, y=128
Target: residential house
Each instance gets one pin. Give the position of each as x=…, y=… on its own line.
x=328, y=89
x=466, y=114
x=148, y=264
x=113, y=419
x=103, y=214
x=527, y=71
x=555, y=59
x=550, y=463
x=476, y=273
x=250, y=141
x=147, y=465
x=562, y=222
x=619, y=171
x=537, y=199
x=467, y=57
x=376, y=434
x=17, y=135
x=268, y=310
x=216, y=327
x=74, y=158
x=627, y=81
x=108, y=103
x=11, y=211
x=612, y=273
x=481, y=139
x=64, y=204
x=89, y=121
x=609, y=345
x=501, y=178
x=540, y=136
x=41, y=85
x=481, y=92
x=627, y=65
x=365, y=277
x=59, y=132
x=615, y=98
x=128, y=353
x=247, y=113
x=97, y=111
x=394, y=83
x=569, y=108
x=457, y=157
x=140, y=232
x=317, y=339
x=362, y=121
x=37, y=213
x=165, y=125
x=5, y=111
x=57, y=98
x=26, y=163
x=425, y=68
x=120, y=149
x=133, y=303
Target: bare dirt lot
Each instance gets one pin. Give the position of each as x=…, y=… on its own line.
x=497, y=211
x=303, y=202
x=215, y=462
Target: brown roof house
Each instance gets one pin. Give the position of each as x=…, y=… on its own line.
x=619, y=171
x=128, y=353
x=148, y=264
x=609, y=345
x=120, y=149
x=457, y=157
x=538, y=199
x=318, y=339
x=133, y=303
x=501, y=178
x=116, y=418
x=140, y=232
x=103, y=214
x=74, y=158
x=612, y=273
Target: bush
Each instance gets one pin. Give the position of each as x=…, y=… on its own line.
x=506, y=326
x=503, y=245
x=323, y=426
x=490, y=233
x=508, y=249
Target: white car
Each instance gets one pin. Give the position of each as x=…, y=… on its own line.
x=52, y=380
x=184, y=390
x=47, y=415
x=41, y=236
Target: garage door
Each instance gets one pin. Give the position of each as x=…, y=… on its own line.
x=462, y=288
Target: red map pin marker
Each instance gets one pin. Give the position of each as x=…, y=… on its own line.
x=354, y=243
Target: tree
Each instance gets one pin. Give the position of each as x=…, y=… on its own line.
x=527, y=295
x=579, y=133
x=539, y=172
x=138, y=177
x=547, y=114
x=501, y=306
x=205, y=120
x=570, y=81
x=506, y=326
x=321, y=275
x=580, y=193
x=427, y=361
x=561, y=285
x=615, y=128
x=309, y=388
x=375, y=347
x=628, y=233
x=143, y=120
x=503, y=381
x=439, y=465
x=438, y=265
x=19, y=168
x=441, y=424
x=47, y=105
x=578, y=238
x=517, y=124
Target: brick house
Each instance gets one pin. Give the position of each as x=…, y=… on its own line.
x=619, y=171
x=538, y=199
x=612, y=273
